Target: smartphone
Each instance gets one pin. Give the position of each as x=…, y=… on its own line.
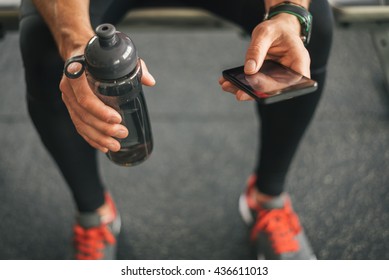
x=274, y=82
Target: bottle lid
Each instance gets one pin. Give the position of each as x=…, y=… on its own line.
x=110, y=54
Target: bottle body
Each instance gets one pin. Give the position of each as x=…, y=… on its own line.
x=126, y=96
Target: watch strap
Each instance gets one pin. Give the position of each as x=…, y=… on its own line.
x=302, y=14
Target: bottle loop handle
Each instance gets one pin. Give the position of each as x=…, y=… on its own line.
x=80, y=59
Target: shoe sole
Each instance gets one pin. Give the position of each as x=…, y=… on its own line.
x=245, y=211
x=116, y=227
x=248, y=218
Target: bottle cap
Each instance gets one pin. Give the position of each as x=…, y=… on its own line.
x=110, y=54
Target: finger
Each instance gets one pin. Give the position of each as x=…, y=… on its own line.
x=302, y=65
x=101, y=140
x=242, y=96
x=85, y=98
x=96, y=132
x=261, y=41
x=222, y=80
x=93, y=136
x=74, y=68
x=82, y=116
x=229, y=87
x=95, y=145
x=103, y=146
x=147, y=79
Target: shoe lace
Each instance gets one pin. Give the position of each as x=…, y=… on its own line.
x=281, y=225
x=90, y=242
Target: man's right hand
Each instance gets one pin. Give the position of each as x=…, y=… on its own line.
x=277, y=39
x=96, y=122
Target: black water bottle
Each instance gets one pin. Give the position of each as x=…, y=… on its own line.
x=113, y=71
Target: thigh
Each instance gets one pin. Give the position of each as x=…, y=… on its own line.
x=249, y=13
x=245, y=13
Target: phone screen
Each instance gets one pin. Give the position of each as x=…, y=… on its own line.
x=274, y=82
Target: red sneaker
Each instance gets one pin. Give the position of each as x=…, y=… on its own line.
x=94, y=239
x=275, y=227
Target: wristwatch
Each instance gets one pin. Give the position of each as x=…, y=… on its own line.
x=302, y=14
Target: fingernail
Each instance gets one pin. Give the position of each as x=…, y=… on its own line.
x=111, y=147
x=152, y=79
x=114, y=120
x=74, y=68
x=250, y=65
x=121, y=133
x=245, y=97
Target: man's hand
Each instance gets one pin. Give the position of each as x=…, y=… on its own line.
x=69, y=23
x=277, y=39
x=96, y=122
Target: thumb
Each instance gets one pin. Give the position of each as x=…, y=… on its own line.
x=147, y=78
x=256, y=54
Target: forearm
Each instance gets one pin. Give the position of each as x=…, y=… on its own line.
x=69, y=23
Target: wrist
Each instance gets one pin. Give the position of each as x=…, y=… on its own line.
x=289, y=22
x=69, y=24
x=301, y=13
x=72, y=32
x=73, y=44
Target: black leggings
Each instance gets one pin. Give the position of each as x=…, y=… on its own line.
x=282, y=124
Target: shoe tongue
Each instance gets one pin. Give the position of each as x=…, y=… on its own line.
x=89, y=220
x=275, y=203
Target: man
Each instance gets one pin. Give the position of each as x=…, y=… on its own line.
x=73, y=123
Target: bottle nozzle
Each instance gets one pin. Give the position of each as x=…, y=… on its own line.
x=110, y=54
x=106, y=34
